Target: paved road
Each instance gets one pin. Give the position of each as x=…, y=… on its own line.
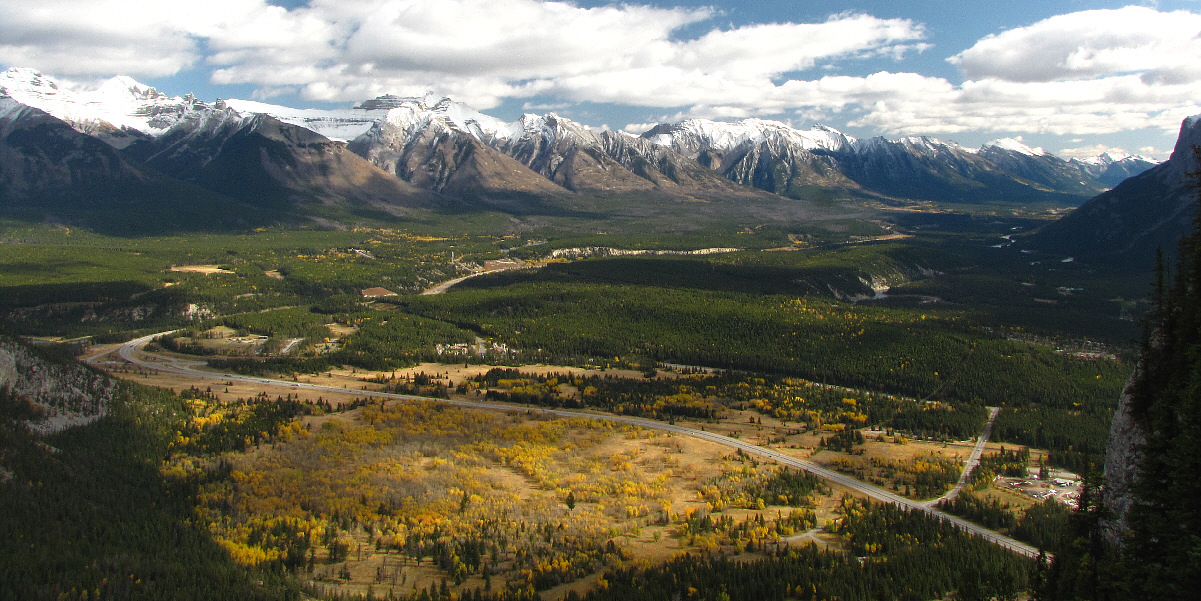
x=444, y=286
x=129, y=352
x=973, y=460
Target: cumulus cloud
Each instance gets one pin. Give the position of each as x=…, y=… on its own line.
x=1161, y=47
x=1091, y=151
x=638, y=128
x=105, y=36
x=480, y=51
x=1095, y=71
x=1088, y=72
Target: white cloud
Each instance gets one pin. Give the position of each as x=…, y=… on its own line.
x=1088, y=72
x=480, y=51
x=760, y=51
x=1090, y=151
x=85, y=38
x=552, y=106
x=1161, y=47
x=638, y=128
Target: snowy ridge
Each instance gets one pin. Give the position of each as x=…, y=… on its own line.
x=1014, y=145
x=427, y=140
x=412, y=117
x=1110, y=158
x=697, y=135
x=928, y=144
x=340, y=125
x=122, y=103
x=117, y=104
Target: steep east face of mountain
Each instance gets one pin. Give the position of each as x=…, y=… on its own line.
x=925, y=168
x=1151, y=210
x=43, y=160
x=606, y=162
x=49, y=170
x=242, y=157
x=120, y=111
x=442, y=148
x=393, y=154
x=264, y=162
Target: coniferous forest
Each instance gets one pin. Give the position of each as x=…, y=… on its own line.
x=205, y=493
x=1159, y=556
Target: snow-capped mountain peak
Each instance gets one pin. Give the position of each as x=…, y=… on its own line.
x=696, y=135
x=1113, y=157
x=1015, y=145
x=116, y=105
x=125, y=89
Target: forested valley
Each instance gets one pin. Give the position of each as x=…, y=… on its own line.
x=879, y=360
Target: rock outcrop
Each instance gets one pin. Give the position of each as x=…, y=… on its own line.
x=1122, y=455
x=68, y=393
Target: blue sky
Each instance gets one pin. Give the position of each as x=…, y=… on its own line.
x=1076, y=77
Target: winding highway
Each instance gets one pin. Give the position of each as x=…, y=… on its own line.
x=130, y=352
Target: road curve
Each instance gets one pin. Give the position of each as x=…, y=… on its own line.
x=128, y=352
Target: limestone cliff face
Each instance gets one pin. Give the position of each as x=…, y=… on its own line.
x=1122, y=457
x=68, y=393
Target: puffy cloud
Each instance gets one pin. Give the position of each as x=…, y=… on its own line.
x=638, y=128
x=1162, y=47
x=480, y=51
x=104, y=36
x=760, y=51
x=1089, y=72
x=1095, y=71
x=1091, y=151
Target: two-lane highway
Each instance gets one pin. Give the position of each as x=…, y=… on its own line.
x=130, y=351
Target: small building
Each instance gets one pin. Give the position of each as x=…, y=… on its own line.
x=378, y=292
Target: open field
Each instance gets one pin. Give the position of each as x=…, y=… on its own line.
x=701, y=491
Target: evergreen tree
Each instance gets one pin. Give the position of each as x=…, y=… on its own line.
x=1163, y=550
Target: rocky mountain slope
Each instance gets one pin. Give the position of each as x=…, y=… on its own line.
x=264, y=162
x=42, y=157
x=772, y=156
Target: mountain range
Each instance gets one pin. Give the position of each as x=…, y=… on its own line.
x=391, y=156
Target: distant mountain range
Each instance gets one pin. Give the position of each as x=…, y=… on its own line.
x=127, y=142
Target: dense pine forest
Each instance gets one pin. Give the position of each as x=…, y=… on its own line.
x=1158, y=555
